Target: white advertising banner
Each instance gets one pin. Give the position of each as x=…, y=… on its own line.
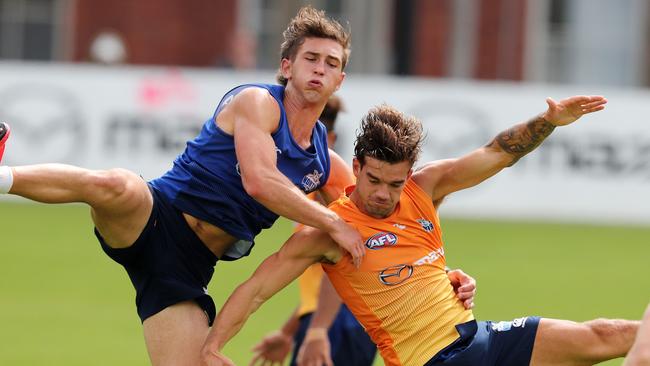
x=596, y=170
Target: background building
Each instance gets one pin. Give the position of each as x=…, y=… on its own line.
x=557, y=41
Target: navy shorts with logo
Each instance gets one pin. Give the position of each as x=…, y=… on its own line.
x=349, y=342
x=168, y=263
x=486, y=343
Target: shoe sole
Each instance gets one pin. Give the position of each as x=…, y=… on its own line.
x=3, y=140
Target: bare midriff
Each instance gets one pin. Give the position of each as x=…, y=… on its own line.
x=217, y=240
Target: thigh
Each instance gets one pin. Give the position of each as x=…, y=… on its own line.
x=564, y=342
x=121, y=217
x=176, y=335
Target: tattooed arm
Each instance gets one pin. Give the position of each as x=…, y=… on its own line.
x=523, y=138
x=443, y=177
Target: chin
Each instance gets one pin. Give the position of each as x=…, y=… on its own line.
x=378, y=213
x=313, y=96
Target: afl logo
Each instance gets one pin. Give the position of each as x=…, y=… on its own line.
x=396, y=274
x=381, y=240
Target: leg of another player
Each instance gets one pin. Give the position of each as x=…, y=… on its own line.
x=120, y=200
x=640, y=353
x=563, y=342
x=176, y=335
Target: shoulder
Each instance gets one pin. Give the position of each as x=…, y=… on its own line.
x=254, y=106
x=255, y=97
x=431, y=174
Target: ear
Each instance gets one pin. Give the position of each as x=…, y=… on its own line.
x=356, y=168
x=285, y=68
x=340, y=81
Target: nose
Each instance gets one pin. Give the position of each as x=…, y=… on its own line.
x=381, y=194
x=319, y=68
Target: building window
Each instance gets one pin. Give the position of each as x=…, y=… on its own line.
x=558, y=45
x=29, y=29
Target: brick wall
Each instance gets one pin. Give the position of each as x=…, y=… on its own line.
x=164, y=32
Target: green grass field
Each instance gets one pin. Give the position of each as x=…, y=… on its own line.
x=63, y=302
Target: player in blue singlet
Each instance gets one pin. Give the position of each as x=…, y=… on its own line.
x=252, y=162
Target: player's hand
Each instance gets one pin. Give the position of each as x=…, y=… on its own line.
x=215, y=358
x=349, y=240
x=272, y=350
x=315, y=349
x=464, y=287
x=570, y=109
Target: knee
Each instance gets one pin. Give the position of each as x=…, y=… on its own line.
x=604, y=330
x=611, y=335
x=113, y=186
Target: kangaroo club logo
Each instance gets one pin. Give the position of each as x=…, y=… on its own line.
x=311, y=181
x=426, y=225
x=381, y=240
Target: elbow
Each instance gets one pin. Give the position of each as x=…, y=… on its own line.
x=254, y=186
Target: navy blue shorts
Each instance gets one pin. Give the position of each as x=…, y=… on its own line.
x=487, y=343
x=351, y=345
x=168, y=263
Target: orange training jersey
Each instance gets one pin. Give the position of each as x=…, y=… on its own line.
x=401, y=294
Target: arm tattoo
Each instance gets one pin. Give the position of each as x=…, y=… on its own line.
x=523, y=138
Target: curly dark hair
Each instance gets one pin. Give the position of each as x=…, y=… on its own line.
x=388, y=135
x=310, y=22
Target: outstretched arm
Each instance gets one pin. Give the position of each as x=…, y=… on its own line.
x=443, y=177
x=304, y=248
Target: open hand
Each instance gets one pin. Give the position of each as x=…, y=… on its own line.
x=272, y=350
x=570, y=109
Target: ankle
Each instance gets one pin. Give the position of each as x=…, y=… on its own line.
x=6, y=179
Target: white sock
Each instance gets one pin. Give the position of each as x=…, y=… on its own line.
x=6, y=179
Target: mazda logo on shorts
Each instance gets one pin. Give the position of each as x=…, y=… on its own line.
x=396, y=274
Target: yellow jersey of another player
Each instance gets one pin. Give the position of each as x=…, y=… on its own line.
x=309, y=281
x=401, y=293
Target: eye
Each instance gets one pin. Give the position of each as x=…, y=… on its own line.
x=396, y=185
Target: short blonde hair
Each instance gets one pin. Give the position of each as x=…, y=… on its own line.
x=312, y=23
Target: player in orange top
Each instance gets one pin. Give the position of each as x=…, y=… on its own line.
x=400, y=293
x=330, y=336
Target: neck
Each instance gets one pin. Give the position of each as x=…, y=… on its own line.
x=301, y=115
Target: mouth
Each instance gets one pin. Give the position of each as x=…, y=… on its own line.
x=315, y=83
x=380, y=204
